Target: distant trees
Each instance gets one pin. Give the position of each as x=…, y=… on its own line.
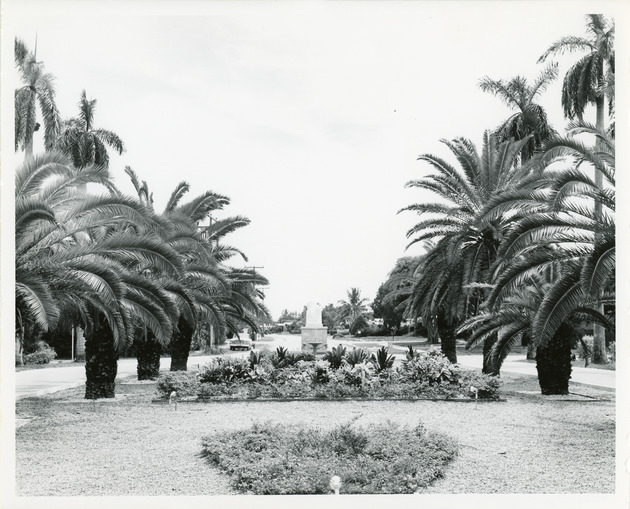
x=392, y=296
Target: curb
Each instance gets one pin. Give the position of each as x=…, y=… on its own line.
x=49, y=390
x=332, y=400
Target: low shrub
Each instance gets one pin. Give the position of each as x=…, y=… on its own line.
x=43, y=355
x=185, y=383
x=486, y=385
x=285, y=375
x=224, y=369
x=430, y=366
x=276, y=459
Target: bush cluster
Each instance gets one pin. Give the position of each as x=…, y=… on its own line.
x=43, y=355
x=276, y=459
x=341, y=374
x=184, y=383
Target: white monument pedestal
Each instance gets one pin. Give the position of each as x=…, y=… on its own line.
x=314, y=333
x=314, y=341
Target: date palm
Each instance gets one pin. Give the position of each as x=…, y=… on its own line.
x=83, y=142
x=38, y=87
x=564, y=232
x=530, y=119
x=515, y=318
x=57, y=274
x=465, y=240
x=207, y=291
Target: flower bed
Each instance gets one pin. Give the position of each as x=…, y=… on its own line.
x=340, y=375
x=275, y=459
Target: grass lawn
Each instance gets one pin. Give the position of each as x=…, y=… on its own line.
x=130, y=446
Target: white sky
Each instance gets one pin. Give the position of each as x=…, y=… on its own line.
x=308, y=115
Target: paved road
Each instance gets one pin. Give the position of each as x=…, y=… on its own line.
x=518, y=364
x=36, y=382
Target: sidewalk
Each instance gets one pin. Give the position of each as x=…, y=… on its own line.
x=37, y=382
x=516, y=364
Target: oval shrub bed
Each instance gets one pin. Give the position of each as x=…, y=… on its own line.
x=340, y=375
x=276, y=459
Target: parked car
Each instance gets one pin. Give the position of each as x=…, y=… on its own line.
x=243, y=343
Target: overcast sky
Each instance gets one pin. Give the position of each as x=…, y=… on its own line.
x=309, y=116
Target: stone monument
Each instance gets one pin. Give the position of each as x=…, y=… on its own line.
x=314, y=333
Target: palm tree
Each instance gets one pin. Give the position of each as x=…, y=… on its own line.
x=515, y=318
x=206, y=290
x=83, y=142
x=465, y=240
x=530, y=120
x=38, y=88
x=354, y=306
x=57, y=274
x=564, y=233
x=590, y=81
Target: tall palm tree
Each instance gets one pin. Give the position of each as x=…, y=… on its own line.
x=590, y=81
x=354, y=306
x=38, y=88
x=83, y=142
x=465, y=240
x=563, y=232
x=530, y=120
x=591, y=77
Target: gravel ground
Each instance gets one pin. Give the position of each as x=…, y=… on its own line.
x=130, y=446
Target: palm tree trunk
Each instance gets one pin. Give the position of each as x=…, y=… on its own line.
x=527, y=341
x=553, y=362
x=148, y=352
x=101, y=361
x=447, y=331
x=599, y=334
x=489, y=367
x=432, y=331
x=180, y=346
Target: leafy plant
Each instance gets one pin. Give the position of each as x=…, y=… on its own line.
x=43, y=355
x=281, y=353
x=382, y=360
x=432, y=367
x=357, y=356
x=255, y=358
x=185, y=383
x=335, y=356
x=224, y=370
x=278, y=459
x=320, y=374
